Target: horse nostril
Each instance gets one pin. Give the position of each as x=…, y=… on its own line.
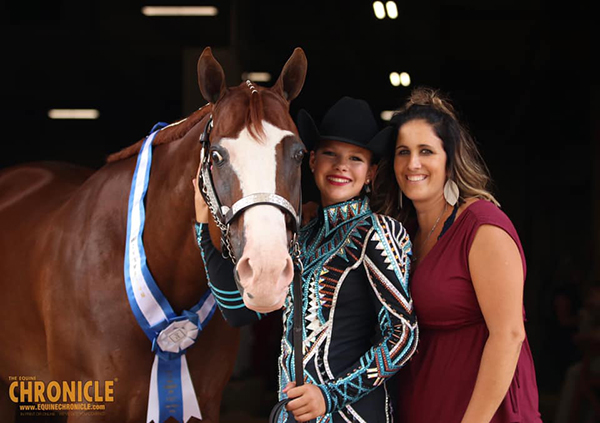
x=244, y=269
x=288, y=270
x=245, y=272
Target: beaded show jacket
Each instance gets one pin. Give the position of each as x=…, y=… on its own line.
x=359, y=326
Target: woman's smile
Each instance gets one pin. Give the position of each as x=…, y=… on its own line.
x=416, y=178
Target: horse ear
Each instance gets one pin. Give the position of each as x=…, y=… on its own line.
x=211, y=78
x=292, y=76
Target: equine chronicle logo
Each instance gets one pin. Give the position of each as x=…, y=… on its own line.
x=40, y=398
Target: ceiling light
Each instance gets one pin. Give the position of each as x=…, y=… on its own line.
x=73, y=114
x=379, y=10
x=180, y=11
x=257, y=76
x=392, y=9
x=405, y=79
x=386, y=114
x=395, y=79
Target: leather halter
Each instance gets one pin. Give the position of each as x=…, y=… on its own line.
x=224, y=215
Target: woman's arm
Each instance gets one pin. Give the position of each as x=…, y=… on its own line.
x=497, y=272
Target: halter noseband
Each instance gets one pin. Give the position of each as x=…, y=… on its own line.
x=224, y=215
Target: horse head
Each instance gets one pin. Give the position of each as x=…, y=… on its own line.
x=251, y=176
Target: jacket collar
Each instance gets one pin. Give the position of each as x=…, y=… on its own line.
x=336, y=215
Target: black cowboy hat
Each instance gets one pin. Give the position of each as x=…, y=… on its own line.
x=349, y=120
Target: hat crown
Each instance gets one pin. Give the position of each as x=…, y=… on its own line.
x=350, y=119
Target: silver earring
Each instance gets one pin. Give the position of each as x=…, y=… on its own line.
x=451, y=192
x=400, y=199
x=367, y=188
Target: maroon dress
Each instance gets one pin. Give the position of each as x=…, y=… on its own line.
x=437, y=384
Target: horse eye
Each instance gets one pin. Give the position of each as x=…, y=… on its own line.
x=299, y=155
x=216, y=157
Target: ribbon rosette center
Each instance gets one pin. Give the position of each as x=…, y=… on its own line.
x=177, y=336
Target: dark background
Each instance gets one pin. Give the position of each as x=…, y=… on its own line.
x=521, y=72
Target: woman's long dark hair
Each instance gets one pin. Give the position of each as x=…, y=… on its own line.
x=464, y=164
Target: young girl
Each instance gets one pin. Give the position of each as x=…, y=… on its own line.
x=359, y=327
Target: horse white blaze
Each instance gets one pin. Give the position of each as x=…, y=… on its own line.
x=265, y=268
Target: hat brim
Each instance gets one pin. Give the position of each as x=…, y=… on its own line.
x=380, y=143
x=310, y=136
x=307, y=129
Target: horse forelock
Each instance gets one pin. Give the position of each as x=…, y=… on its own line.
x=170, y=133
x=248, y=106
x=250, y=123
x=255, y=115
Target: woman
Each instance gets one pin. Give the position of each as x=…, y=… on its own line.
x=474, y=364
x=359, y=328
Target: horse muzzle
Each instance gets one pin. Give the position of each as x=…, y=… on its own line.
x=264, y=279
x=265, y=270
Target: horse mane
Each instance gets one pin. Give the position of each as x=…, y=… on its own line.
x=170, y=133
x=254, y=118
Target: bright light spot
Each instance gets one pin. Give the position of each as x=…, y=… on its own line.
x=395, y=79
x=386, y=114
x=180, y=11
x=379, y=10
x=73, y=114
x=257, y=76
x=392, y=9
x=405, y=79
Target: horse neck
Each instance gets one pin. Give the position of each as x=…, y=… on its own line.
x=169, y=237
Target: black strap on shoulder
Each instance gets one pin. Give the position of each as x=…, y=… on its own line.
x=449, y=221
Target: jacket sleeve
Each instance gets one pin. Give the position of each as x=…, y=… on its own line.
x=219, y=273
x=385, y=261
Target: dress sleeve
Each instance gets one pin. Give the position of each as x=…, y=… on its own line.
x=219, y=273
x=386, y=261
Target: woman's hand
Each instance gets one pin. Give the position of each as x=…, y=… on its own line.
x=202, y=212
x=307, y=401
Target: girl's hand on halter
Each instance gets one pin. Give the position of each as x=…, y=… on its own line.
x=307, y=401
x=202, y=212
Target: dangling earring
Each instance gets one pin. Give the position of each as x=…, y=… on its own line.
x=368, y=187
x=400, y=199
x=451, y=192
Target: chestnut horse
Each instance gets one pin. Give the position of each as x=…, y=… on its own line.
x=66, y=315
